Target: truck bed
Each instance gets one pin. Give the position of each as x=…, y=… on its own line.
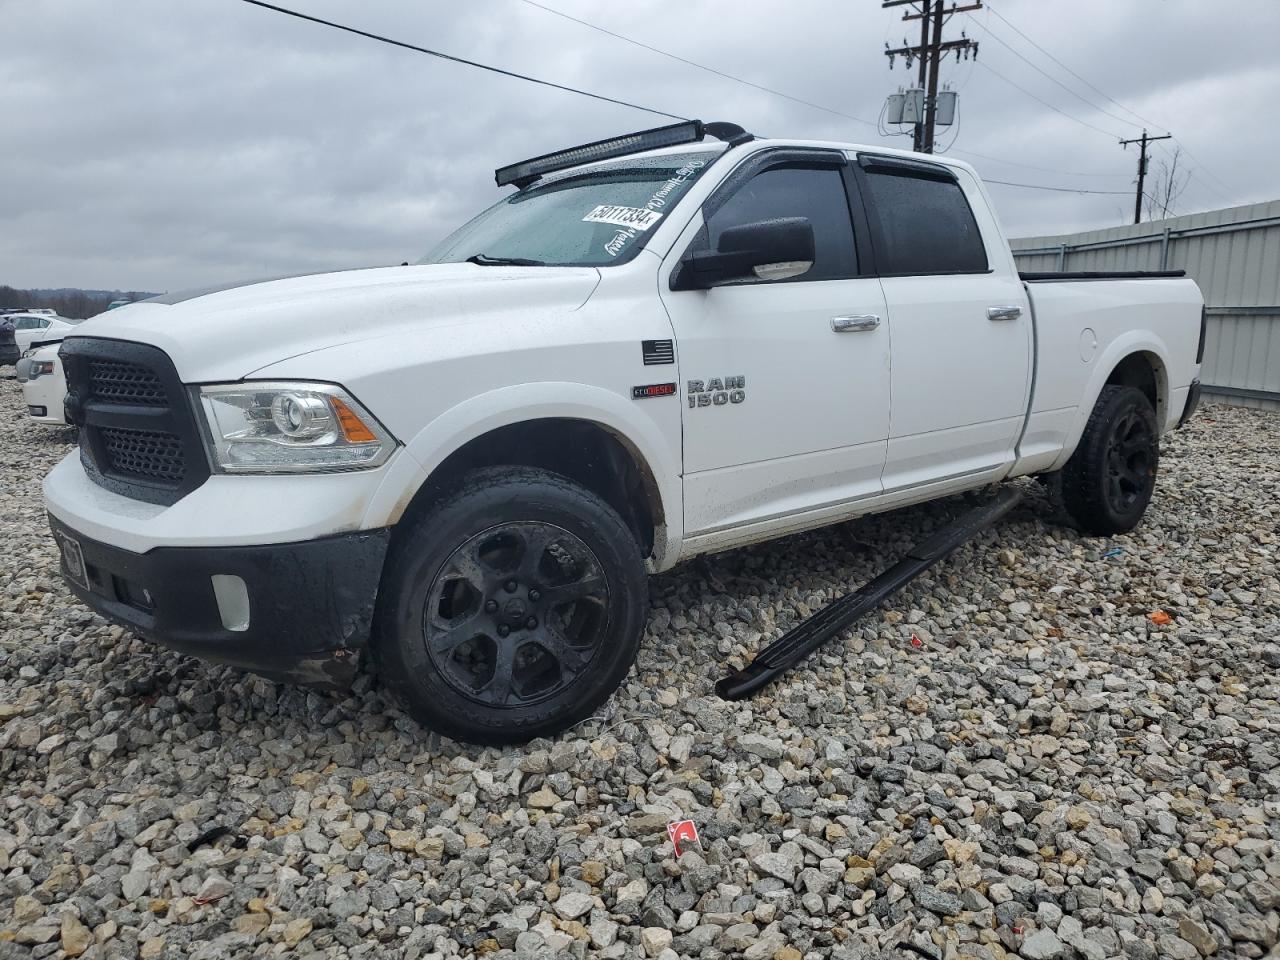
x=1082, y=332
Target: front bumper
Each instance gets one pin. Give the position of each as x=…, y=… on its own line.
x=291, y=611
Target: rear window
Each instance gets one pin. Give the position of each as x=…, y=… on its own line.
x=924, y=225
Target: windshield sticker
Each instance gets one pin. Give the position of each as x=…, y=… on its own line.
x=678, y=181
x=637, y=217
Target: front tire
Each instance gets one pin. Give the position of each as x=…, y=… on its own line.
x=511, y=608
x=1108, y=482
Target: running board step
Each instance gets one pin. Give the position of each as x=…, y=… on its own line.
x=811, y=633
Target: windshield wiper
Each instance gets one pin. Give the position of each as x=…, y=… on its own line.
x=484, y=260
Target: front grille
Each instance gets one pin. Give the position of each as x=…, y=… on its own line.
x=113, y=381
x=138, y=432
x=145, y=454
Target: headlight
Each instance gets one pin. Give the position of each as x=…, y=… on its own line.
x=289, y=428
x=28, y=368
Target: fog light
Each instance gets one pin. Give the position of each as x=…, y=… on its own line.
x=233, y=601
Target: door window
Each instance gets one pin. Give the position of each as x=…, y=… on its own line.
x=922, y=225
x=815, y=193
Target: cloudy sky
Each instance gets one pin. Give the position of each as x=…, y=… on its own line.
x=157, y=145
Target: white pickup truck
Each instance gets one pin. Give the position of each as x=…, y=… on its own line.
x=668, y=343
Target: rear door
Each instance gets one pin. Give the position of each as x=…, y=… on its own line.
x=785, y=387
x=962, y=338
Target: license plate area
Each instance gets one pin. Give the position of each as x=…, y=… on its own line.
x=73, y=567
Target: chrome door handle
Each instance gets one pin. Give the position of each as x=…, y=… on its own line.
x=1011, y=312
x=855, y=323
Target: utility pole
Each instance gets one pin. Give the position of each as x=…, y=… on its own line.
x=918, y=136
x=929, y=52
x=1142, y=167
x=931, y=98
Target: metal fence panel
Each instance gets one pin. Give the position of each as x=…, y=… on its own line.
x=1233, y=254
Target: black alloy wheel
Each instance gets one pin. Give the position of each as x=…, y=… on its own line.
x=516, y=614
x=1130, y=461
x=1109, y=480
x=511, y=606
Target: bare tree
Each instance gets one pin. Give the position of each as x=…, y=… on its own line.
x=1166, y=187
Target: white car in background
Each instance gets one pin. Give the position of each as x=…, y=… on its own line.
x=44, y=387
x=33, y=327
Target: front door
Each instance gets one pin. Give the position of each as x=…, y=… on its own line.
x=785, y=391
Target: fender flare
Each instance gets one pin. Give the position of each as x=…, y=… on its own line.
x=505, y=406
x=1124, y=346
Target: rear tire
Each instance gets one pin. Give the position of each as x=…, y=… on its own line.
x=1108, y=482
x=511, y=608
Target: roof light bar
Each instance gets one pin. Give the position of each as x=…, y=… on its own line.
x=527, y=171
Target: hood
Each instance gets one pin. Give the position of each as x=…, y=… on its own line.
x=228, y=333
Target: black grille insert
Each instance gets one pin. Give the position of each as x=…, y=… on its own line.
x=146, y=454
x=114, y=381
x=139, y=436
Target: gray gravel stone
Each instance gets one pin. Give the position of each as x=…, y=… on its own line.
x=927, y=852
x=1175, y=948
x=1198, y=936
x=937, y=901
x=1042, y=945
x=572, y=905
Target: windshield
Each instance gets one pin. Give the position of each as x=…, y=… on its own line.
x=591, y=218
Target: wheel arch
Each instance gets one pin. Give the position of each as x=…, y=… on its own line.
x=1137, y=359
x=584, y=433
x=1146, y=371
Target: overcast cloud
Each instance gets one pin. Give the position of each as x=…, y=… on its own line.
x=161, y=145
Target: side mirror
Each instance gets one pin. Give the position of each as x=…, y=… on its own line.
x=766, y=250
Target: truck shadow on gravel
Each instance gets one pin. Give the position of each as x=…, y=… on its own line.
x=707, y=615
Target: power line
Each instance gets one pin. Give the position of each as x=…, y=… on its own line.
x=1207, y=172
x=462, y=60
x=817, y=106
x=1070, y=71
x=1031, y=166
x=624, y=103
x=694, y=63
x=1038, y=186
x=1046, y=103
x=1035, y=66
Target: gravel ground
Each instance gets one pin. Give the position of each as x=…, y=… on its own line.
x=1012, y=760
